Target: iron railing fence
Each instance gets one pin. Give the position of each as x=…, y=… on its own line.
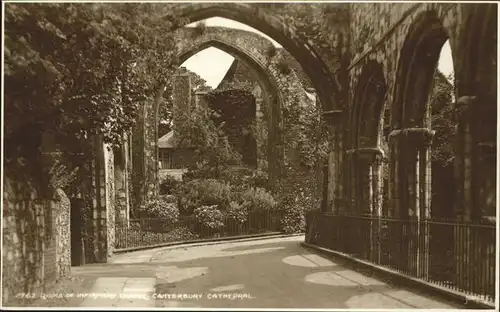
x=458, y=256
x=150, y=232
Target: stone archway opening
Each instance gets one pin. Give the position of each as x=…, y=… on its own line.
x=415, y=106
x=266, y=102
x=328, y=95
x=273, y=27
x=442, y=120
x=411, y=136
x=367, y=153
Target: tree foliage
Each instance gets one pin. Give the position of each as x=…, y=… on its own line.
x=442, y=119
x=305, y=132
x=77, y=70
x=235, y=112
x=209, y=142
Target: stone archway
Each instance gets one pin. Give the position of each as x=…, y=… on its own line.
x=269, y=80
x=268, y=22
x=247, y=46
x=365, y=156
x=411, y=137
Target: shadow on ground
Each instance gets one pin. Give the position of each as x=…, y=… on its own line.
x=276, y=273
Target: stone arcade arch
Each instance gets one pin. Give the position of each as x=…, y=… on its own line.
x=266, y=20
x=411, y=136
x=366, y=155
x=272, y=96
x=252, y=49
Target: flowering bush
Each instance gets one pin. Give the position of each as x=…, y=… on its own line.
x=237, y=212
x=168, y=184
x=293, y=219
x=257, y=199
x=210, y=216
x=182, y=234
x=207, y=192
x=168, y=198
x=161, y=209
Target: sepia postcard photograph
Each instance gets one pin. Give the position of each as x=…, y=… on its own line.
x=249, y=155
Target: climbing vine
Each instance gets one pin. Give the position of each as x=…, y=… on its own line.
x=235, y=113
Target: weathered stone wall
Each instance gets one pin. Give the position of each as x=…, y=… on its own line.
x=380, y=33
x=122, y=180
x=36, y=241
x=379, y=30
x=280, y=86
x=62, y=221
x=282, y=22
x=110, y=198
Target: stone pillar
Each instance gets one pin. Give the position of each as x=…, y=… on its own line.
x=99, y=203
x=181, y=101
x=335, y=200
x=475, y=170
x=475, y=158
x=122, y=201
x=199, y=99
x=260, y=128
x=109, y=184
x=369, y=184
x=410, y=194
x=367, y=195
x=275, y=142
x=410, y=172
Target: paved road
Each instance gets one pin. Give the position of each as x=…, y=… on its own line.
x=271, y=273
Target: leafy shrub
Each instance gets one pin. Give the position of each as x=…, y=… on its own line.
x=207, y=192
x=210, y=216
x=168, y=198
x=168, y=184
x=293, y=218
x=161, y=209
x=259, y=179
x=237, y=212
x=182, y=234
x=257, y=199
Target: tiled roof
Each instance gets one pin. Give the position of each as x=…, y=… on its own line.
x=167, y=141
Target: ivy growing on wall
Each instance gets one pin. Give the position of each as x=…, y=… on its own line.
x=235, y=112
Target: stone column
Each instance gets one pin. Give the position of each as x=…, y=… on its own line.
x=260, y=125
x=99, y=233
x=369, y=195
x=475, y=157
x=475, y=169
x=335, y=200
x=181, y=100
x=410, y=194
x=121, y=183
x=199, y=99
x=109, y=183
x=410, y=172
x=182, y=104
